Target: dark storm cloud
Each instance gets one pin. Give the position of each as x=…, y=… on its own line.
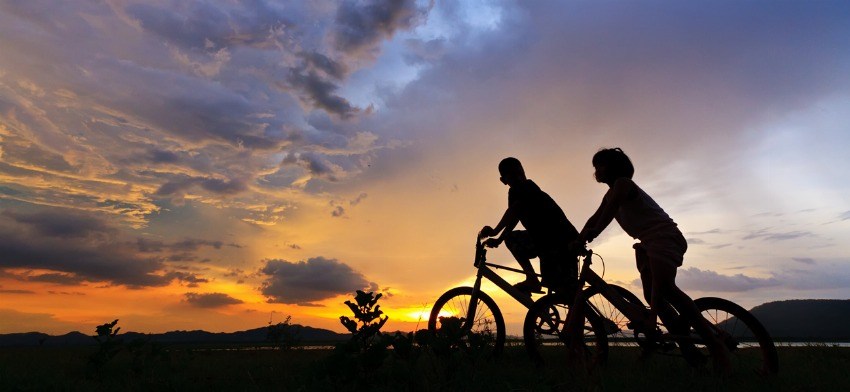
x=211, y=300
x=307, y=281
x=360, y=25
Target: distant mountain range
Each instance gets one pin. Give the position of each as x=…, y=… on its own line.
x=257, y=335
x=793, y=320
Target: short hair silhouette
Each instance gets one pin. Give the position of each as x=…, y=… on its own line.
x=617, y=163
x=510, y=166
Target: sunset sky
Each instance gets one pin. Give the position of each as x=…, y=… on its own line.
x=220, y=165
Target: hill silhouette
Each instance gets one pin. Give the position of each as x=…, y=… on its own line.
x=806, y=319
x=257, y=335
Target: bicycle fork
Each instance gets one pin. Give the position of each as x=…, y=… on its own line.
x=473, y=302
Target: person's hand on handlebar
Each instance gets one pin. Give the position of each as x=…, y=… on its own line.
x=493, y=242
x=578, y=247
x=486, y=232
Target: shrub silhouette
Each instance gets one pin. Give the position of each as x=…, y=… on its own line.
x=283, y=334
x=108, y=344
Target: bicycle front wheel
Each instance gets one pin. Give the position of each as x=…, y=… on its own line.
x=614, y=321
x=749, y=344
x=543, y=332
x=484, y=329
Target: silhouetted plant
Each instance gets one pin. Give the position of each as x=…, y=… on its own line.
x=368, y=315
x=108, y=344
x=283, y=334
x=354, y=361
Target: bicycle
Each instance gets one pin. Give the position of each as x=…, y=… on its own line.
x=627, y=322
x=461, y=302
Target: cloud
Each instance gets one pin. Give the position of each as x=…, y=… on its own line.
x=777, y=236
x=90, y=250
x=804, y=260
x=358, y=199
x=57, y=278
x=16, y=291
x=308, y=281
x=186, y=245
x=211, y=300
x=790, y=278
x=191, y=280
x=360, y=25
x=705, y=280
x=212, y=185
x=188, y=101
x=844, y=216
x=69, y=224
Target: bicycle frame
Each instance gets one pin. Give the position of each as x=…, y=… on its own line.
x=589, y=277
x=485, y=270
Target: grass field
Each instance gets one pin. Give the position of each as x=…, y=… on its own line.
x=817, y=368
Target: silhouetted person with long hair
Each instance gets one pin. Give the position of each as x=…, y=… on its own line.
x=662, y=246
x=547, y=235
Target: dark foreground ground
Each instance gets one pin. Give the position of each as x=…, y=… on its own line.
x=817, y=368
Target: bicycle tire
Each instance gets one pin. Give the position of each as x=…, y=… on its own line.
x=543, y=327
x=455, y=303
x=746, y=338
x=615, y=322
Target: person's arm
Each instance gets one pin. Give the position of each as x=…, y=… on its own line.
x=607, y=210
x=509, y=220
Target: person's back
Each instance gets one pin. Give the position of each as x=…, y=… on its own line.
x=640, y=216
x=541, y=216
x=548, y=231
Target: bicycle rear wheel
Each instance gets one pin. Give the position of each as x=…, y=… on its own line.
x=545, y=340
x=483, y=330
x=749, y=344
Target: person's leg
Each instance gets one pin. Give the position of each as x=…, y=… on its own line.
x=521, y=247
x=664, y=290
